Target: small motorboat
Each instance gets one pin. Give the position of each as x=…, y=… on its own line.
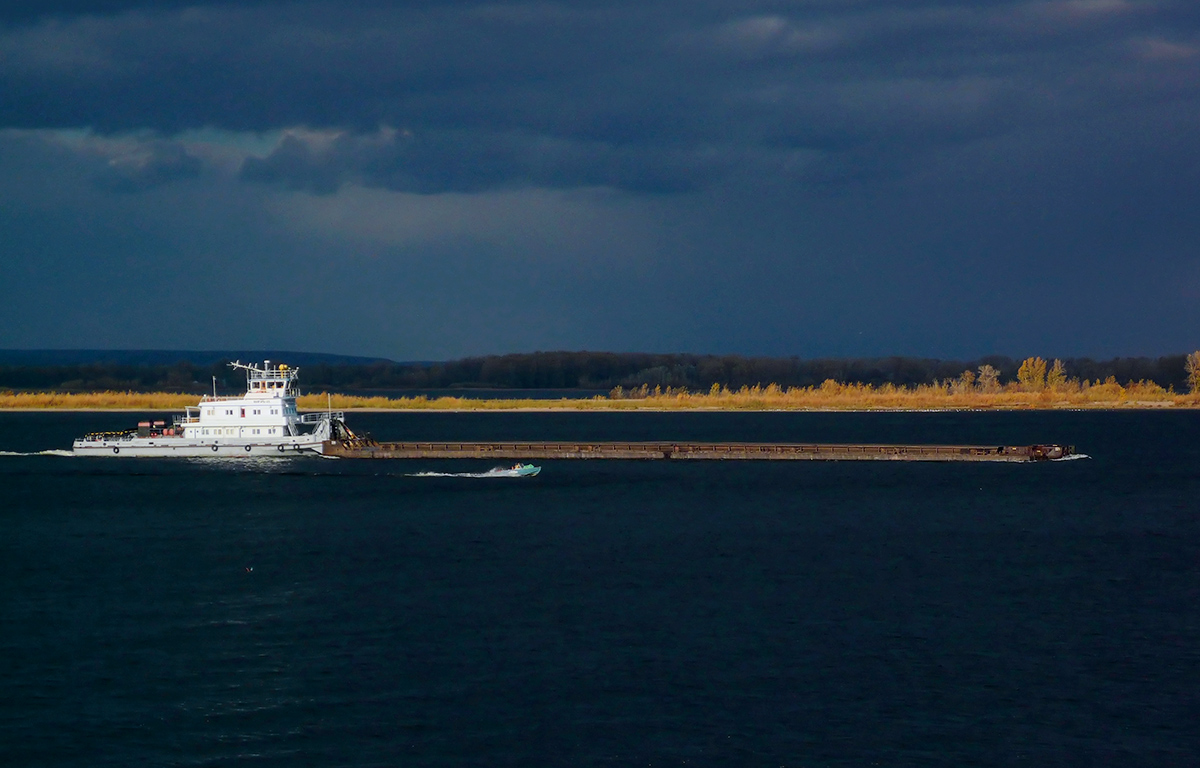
x=516, y=470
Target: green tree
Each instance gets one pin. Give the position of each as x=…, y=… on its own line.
x=1032, y=374
x=1193, y=372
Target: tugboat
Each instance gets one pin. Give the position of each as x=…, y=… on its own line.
x=262, y=422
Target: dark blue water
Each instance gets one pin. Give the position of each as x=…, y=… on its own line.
x=338, y=613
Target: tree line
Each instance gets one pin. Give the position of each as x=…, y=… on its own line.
x=596, y=371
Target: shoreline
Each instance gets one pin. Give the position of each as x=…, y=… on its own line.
x=831, y=397
x=693, y=409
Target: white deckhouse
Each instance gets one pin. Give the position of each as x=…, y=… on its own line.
x=262, y=422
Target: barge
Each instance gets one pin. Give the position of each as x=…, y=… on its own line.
x=692, y=451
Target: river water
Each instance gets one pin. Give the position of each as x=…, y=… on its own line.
x=322, y=612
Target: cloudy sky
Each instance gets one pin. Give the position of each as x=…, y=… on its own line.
x=434, y=179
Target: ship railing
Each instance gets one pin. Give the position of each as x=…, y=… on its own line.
x=250, y=395
x=317, y=417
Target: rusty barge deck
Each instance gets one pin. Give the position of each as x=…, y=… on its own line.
x=366, y=449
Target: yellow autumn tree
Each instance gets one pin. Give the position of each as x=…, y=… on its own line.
x=1032, y=374
x=989, y=379
x=1056, y=378
x=964, y=384
x=1193, y=372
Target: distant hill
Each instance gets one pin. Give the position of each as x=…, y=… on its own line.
x=51, y=357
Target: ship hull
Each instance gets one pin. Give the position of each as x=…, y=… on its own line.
x=179, y=447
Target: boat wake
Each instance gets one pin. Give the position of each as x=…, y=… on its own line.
x=1073, y=457
x=498, y=472
x=37, y=453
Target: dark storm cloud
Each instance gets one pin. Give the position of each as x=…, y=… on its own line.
x=817, y=178
x=666, y=96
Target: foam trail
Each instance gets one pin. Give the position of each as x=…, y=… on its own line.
x=1073, y=457
x=489, y=473
x=37, y=453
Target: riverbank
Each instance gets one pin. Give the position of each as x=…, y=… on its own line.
x=829, y=397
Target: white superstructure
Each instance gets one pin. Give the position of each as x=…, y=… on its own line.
x=262, y=422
